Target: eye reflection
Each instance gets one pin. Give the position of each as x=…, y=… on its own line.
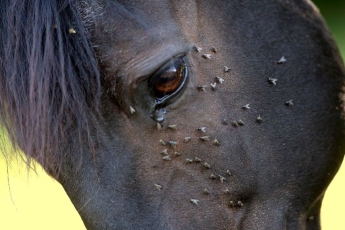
x=169, y=79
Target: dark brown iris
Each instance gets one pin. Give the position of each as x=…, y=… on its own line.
x=169, y=79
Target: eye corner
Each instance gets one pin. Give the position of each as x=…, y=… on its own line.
x=169, y=80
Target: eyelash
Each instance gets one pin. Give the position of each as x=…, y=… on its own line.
x=169, y=80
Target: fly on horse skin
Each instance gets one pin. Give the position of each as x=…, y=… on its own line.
x=247, y=97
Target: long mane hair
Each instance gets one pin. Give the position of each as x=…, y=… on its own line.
x=49, y=79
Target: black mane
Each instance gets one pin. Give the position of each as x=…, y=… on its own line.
x=49, y=79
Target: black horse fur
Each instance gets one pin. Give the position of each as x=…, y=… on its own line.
x=50, y=81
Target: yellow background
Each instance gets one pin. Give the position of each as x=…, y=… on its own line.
x=33, y=201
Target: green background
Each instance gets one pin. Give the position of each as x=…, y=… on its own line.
x=334, y=13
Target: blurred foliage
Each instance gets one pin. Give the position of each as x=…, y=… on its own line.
x=334, y=14
x=329, y=4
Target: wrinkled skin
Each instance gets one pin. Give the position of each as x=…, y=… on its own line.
x=279, y=168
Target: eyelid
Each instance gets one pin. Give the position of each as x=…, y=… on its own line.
x=162, y=100
x=144, y=69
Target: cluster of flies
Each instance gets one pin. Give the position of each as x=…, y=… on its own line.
x=218, y=80
x=173, y=144
x=203, y=138
x=235, y=123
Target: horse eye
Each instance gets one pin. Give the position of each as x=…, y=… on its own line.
x=169, y=79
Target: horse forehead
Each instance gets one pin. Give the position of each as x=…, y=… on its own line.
x=144, y=24
x=130, y=20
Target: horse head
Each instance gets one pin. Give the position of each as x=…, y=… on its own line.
x=177, y=114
